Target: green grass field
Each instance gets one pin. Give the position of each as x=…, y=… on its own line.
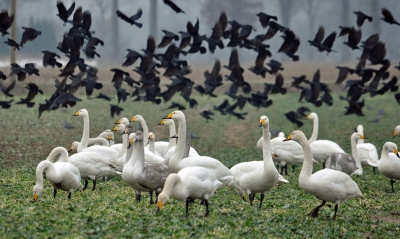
x=111, y=211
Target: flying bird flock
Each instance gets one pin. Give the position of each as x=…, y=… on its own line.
x=175, y=169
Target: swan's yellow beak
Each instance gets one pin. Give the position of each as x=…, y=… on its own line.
x=274, y=155
x=244, y=197
x=70, y=148
x=262, y=122
x=362, y=136
x=396, y=151
x=131, y=141
x=169, y=116
x=109, y=137
x=288, y=138
x=159, y=206
x=150, y=136
x=394, y=134
x=76, y=114
x=35, y=197
x=118, y=122
x=162, y=122
x=133, y=119
x=308, y=117
x=115, y=128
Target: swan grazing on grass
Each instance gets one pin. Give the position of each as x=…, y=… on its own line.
x=367, y=152
x=160, y=146
x=347, y=163
x=327, y=185
x=189, y=184
x=61, y=175
x=256, y=176
x=321, y=149
x=105, y=152
x=176, y=162
x=389, y=164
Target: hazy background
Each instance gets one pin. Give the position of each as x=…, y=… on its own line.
x=302, y=16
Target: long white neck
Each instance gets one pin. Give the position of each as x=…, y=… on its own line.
x=174, y=187
x=354, y=153
x=188, y=142
x=58, y=151
x=314, y=134
x=180, y=146
x=129, y=156
x=267, y=153
x=360, y=131
x=85, y=135
x=50, y=173
x=151, y=145
x=145, y=131
x=172, y=132
x=139, y=147
x=307, y=168
x=122, y=151
x=98, y=140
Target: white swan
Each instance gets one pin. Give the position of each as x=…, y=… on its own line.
x=172, y=132
x=61, y=175
x=367, y=152
x=176, y=162
x=327, y=185
x=321, y=149
x=106, y=152
x=188, y=184
x=108, y=135
x=256, y=176
x=160, y=146
x=123, y=120
x=347, y=163
x=91, y=141
x=389, y=163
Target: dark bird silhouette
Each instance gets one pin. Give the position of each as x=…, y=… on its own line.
x=207, y=114
x=361, y=18
x=167, y=38
x=213, y=79
x=49, y=59
x=276, y=88
x=265, y=18
x=391, y=85
x=2, y=76
x=355, y=107
x=103, y=96
x=131, y=58
x=64, y=100
x=132, y=19
x=63, y=13
x=175, y=105
x=31, y=69
x=150, y=47
x=397, y=97
x=215, y=39
x=388, y=17
x=343, y=72
x=115, y=110
x=344, y=30
x=275, y=67
x=354, y=37
x=6, y=90
x=33, y=91
x=78, y=17
x=289, y=39
x=6, y=104
x=397, y=67
x=294, y=117
x=173, y=6
x=29, y=34
x=12, y=43
x=292, y=51
x=90, y=50
x=273, y=29
x=319, y=37
x=118, y=75
x=19, y=71
x=5, y=21
x=259, y=68
x=302, y=111
x=328, y=43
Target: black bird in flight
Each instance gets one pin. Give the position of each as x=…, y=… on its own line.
x=63, y=13
x=388, y=17
x=5, y=21
x=115, y=110
x=265, y=18
x=132, y=19
x=173, y=6
x=361, y=18
x=12, y=43
x=29, y=34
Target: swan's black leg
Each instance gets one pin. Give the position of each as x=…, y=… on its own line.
x=137, y=197
x=293, y=168
x=251, y=198
x=374, y=169
x=323, y=165
x=261, y=199
x=277, y=166
x=151, y=197
x=336, y=208
x=187, y=206
x=86, y=183
x=94, y=185
x=55, y=193
x=282, y=167
x=391, y=183
x=69, y=195
x=206, y=203
x=314, y=212
x=286, y=169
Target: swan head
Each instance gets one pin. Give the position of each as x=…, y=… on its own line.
x=120, y=128
x=139, y=136
x=74, y=146
x=166, y=122
x=360, y=129
x=123, y=121
x=162, y=199
x=137, y=118
x=152, y=136
x=396, y=131
x=37, y=190
x=263, y=121
x=356, y=136
x=312, y=116
x=177, y=114
x=131, y=139
x=296, y=135
x=392, y=147
x=81, y=112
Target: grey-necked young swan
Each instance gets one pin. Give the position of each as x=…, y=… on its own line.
x=327, y=185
